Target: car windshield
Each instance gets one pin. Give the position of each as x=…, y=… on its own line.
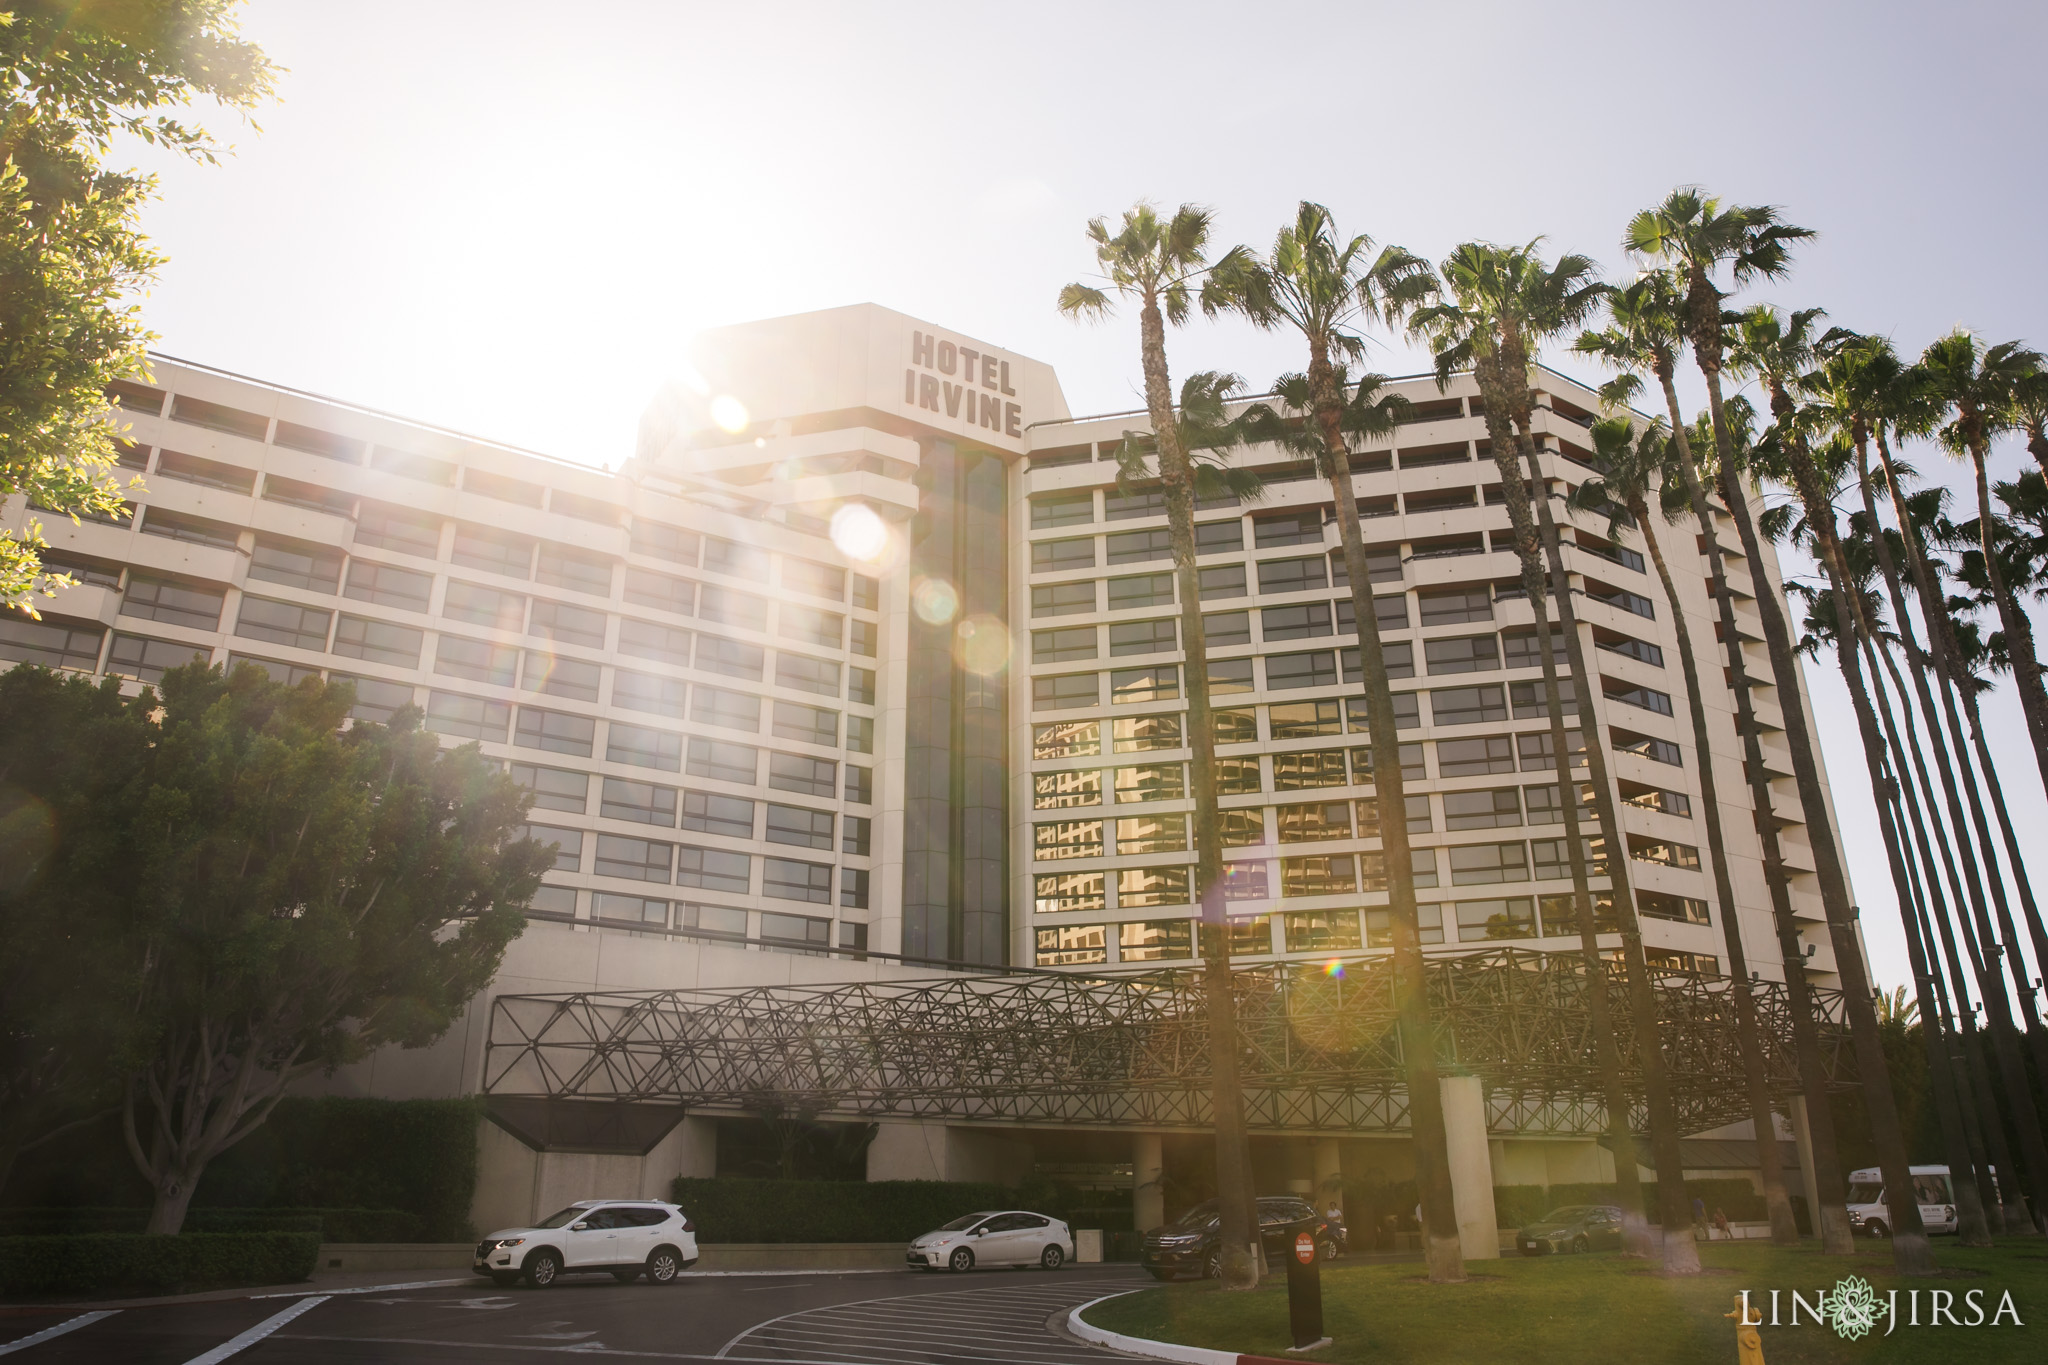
x=1198, y=1216
x=564, y=1218
x=962, y=1224
x=1866, y=1192
x=1570, y=1213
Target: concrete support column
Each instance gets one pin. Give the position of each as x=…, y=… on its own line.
x=1802, y=1138
x=1329, y=1175
x=908, y=1151
x=1148, y=1177
x=1471, y=1166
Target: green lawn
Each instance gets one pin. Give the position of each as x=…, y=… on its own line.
x=1608, y=1310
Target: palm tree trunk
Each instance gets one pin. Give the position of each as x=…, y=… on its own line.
x=2019, y=631
x=1234, y=1194
x=1681, y=1252
x=1826, y=1205
x=1442, y=1248
x=1784, y=1228
x=1911, y=1252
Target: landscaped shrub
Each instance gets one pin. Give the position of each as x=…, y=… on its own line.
x=93, y=1262
x=333, y=1225
x=729, y=1210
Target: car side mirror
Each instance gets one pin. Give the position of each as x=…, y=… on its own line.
x=580, y=1227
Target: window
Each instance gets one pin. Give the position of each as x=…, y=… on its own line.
x=95, y=573
x=1056, y=893
x=563, y=567
x=726, y=762
x=727, y=709
x=867, y=596
x=1301, y=621
x=853, y=894
x=1468, y=705
x=1223, y=629
x=1396, y=656
x=313, y=441
x=1314, y=821
x=501, y=552
x=1139, y=590
x=502, y=488
x=860, y=686
x=1538, y=750
x=1150, y=782
x=1462, y=654
x=1309, y=768
x=1076, y=508
x=1545, y=809
x=476, y=660
x=1137, y=547
x=1670, y=854
x=647, y=803
x=1475, y=757
x=483, y=606
x=295, y=564
x=664, y=592
x=555, y=731
x=1235, y=724
x=1648, y=746
x=1119, y=505
x=799, y=826
x=856, y=835
x=1140, y=637
x=424, y=468
x=632, y=691
x=732, y=607
x=790, y=880
x=1155, y=940
x=643, y=747
x=808, y=776
x=1368, y=811
x=1518, y=649
x=860, y=734
x=1066, y=690
x=645, y=860
x=1390, y=612
x=136, y=397
x=1331, y=874
x=1651, y=798
x=608, y=905
x=807, y=724
x=1293, y=575
x=218, y=417
x=1294, y=528
x=1304, y=719
x=1480, y=864
x=1057, y=556
x=1066, y=739
x=715, y=653
x=388, y=586
x=1241, y=828
x=711, y=813
x=568, y=844
x=1219, y=582
x=1072, y=945
x=1513, y=917
x=291, y=675
x=1061, y=645
x=196, y=605
x=1412, y=769
x=1161, y=682
x=1238, y=776
x=400, y=530
x=1063, y=599
x=805, y=674
x=1246, y=881
x=1151, y=834
x=1285, y=672
x=1229, y=676
x=1452, y=606
x=1648, y=698
x=865, y=639
x=713, y=869
x=712, y=921
x=1146, y=887
x=1321, y=931
x=1495, y=808
x=1249, y=937
x=282, y=623
x=1136, y=734
x=1382, y=564
x=1066, y=839
x=449, y=713
x=730, y=557
x=217, y=535
x=554, y=788
x=358, y=637
x=818, y=580
x=1056, y=791
x=47, y=643
x=1379, y=926
x=810, y=625
x=657, y=541
x=1219, y=537
x=376, y=700
x=1561, y=915
x=1683, y=909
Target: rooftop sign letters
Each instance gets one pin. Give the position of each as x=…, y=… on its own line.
x=965, y=384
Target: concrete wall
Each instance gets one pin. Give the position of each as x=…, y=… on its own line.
x=516, y=1184
x=937, y=1151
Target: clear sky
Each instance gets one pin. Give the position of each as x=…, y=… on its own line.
x=509, y=217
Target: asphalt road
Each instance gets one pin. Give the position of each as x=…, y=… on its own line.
x=992, y=1317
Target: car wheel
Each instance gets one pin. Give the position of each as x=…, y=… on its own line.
x=1328, y=1251
x=504, y=1279
x=542, y=1268
x=663, y=1266
x=1212, y=1266
x=961, y=1260
x=1580, y=1246
x=1052, y=1258
x=1877, y=1229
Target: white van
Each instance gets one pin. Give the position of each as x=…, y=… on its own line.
x=1867, y=1205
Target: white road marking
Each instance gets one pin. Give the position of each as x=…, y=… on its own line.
x=52, y=1333
x=366, y=1289
x=995, y=1326
x=255, y=1334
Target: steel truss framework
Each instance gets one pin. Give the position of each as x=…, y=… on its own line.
x=1319, y=1046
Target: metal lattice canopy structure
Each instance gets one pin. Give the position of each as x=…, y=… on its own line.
x=1048, y=1048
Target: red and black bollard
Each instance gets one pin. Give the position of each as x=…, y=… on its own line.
x=1305, y=1292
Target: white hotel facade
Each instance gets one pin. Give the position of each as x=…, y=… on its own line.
x=750, y=747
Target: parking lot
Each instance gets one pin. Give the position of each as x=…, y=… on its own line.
x=987, y=1318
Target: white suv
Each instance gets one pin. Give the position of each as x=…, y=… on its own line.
x=624, y=1238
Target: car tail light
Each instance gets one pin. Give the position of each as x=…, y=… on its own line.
x=688, y=1226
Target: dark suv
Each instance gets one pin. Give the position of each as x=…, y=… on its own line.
x=1188, y=1245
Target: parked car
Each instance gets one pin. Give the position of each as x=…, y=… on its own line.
x=623, y=1238
x=1012, y=1237
x=1190, y=1244
x=1575, y=1227
x=1869, y=1214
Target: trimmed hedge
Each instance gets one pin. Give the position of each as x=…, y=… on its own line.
x=95, y=1262
x=333, y=1225
x=729, y=1210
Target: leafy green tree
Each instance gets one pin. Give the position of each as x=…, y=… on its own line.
x=1158, y=264
x=77, y=73
x=304, y=895
x=1326, y=288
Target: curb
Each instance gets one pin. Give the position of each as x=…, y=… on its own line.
x=1157, y=1350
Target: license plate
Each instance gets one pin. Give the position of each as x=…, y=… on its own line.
x=1529, y=1246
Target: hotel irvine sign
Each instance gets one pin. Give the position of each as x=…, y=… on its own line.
x=963, y=384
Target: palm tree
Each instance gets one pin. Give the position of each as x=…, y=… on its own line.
x=1898, y=1008
x=1635, y=464
x=1779, y=351
x=2030, y=411
x=1157, y=263
x=1327, y=289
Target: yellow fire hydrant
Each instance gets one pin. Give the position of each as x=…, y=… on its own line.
x=1749, y=1344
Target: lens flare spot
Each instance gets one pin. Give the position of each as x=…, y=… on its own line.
x=982, y=645
x=729, y=413
x=859, y=533
x=1334, y=970
x=935, y=601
